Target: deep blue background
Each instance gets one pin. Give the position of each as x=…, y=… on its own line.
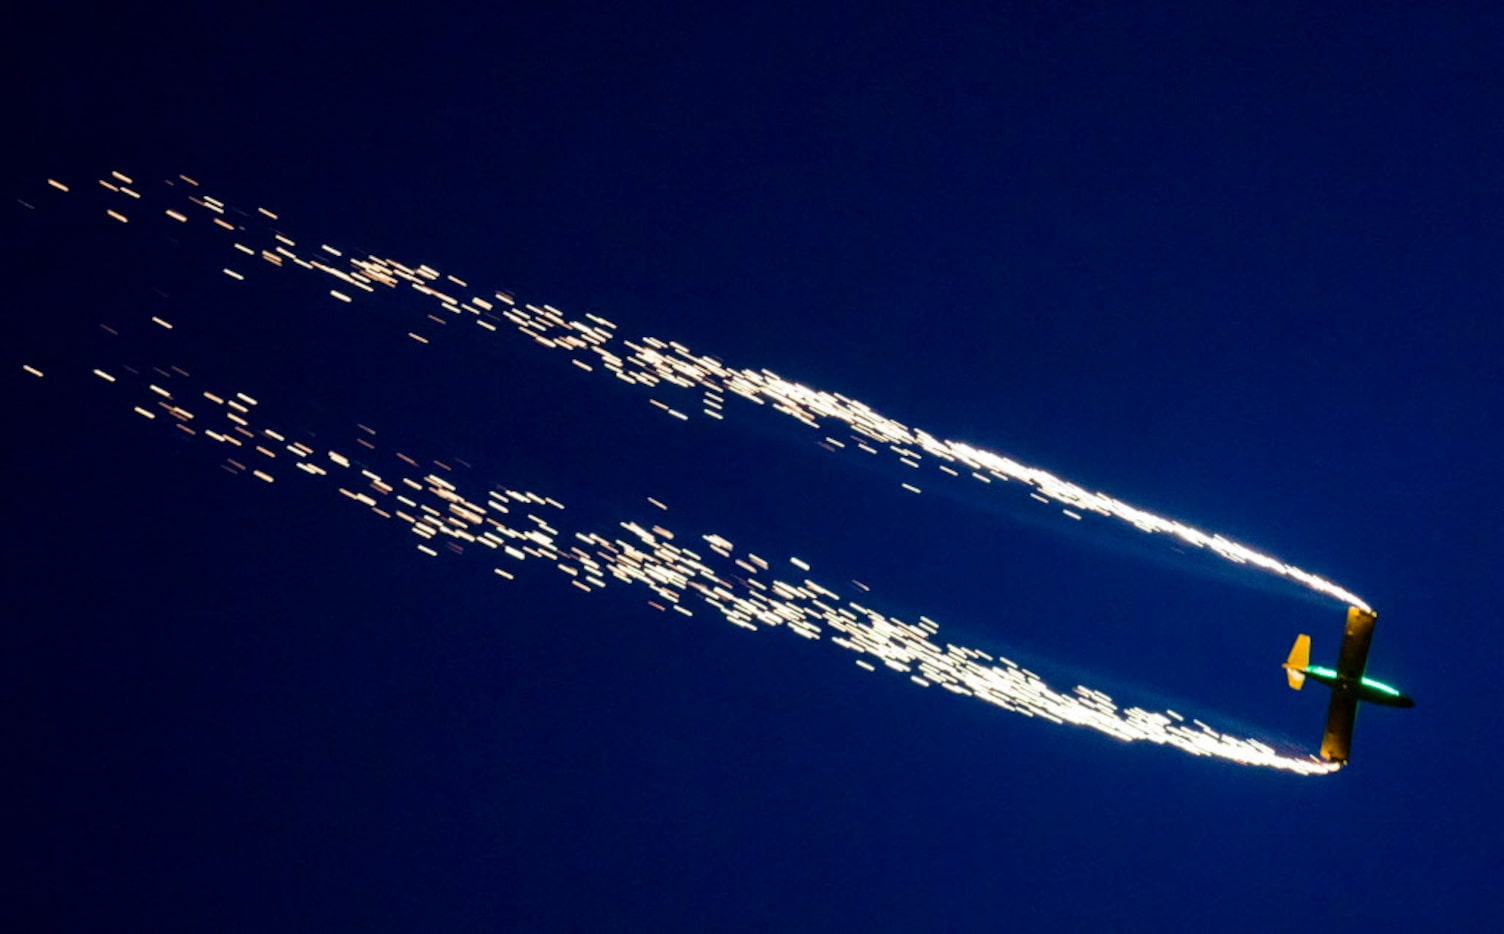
x=1239, y=267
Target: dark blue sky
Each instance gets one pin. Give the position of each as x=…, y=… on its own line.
x=1241, y=268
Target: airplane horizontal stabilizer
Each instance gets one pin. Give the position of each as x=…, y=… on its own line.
x=1300, y=657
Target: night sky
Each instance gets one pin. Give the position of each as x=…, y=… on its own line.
x=1241, y=268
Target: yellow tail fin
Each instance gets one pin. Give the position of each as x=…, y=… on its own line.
x=1300, y=657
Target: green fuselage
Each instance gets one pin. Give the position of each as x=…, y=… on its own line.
x=1364, y=689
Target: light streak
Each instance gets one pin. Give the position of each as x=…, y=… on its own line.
x=742, y=590
x=652, y=362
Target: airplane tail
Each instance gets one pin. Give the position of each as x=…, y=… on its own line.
x=1300, y=657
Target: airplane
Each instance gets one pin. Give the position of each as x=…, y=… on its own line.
x=1347, y=682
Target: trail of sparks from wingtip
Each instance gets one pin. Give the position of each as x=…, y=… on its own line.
x=522, y=528
x=677, y=575
x=654, y=364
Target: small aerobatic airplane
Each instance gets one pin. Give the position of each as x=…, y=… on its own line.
x=1347, y=682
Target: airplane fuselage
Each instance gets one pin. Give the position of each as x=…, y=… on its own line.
x=1366, y=690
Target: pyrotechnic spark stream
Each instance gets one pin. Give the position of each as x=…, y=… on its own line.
x=510, y=523
x=669, y=366
x=521, y=527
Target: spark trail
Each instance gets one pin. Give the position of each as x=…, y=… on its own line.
x=669, y=366
x=521, y=528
